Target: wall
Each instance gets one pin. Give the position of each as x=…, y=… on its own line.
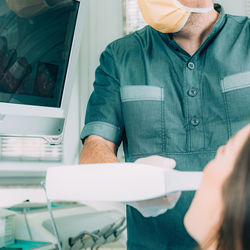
x=235, y=7
x=105, y=24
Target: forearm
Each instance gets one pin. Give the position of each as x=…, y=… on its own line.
x=97, y=151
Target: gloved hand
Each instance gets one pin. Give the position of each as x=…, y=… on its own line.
x=12, y=69
x=158, y=206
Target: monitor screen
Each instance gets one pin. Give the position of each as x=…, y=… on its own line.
x=35, y=43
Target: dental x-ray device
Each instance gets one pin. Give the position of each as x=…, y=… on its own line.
x=119, y=182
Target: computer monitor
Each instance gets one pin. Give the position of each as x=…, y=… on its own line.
x=39, y=47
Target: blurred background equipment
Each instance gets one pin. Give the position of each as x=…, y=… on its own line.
x=79, y=226
x=7, y=227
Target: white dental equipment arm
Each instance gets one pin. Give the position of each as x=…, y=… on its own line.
x=119, y=182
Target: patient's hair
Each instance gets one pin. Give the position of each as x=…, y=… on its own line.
x=234, y=232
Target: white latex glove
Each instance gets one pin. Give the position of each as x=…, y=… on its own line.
x=155, y=207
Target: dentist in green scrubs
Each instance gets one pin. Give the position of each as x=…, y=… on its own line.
x=178, y=88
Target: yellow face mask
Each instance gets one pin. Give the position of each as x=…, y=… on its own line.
x=27, y=8
x=167, y=16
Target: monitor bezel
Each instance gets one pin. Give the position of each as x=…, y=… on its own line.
x=55, y=117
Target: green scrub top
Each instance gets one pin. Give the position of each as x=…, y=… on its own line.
x=159, y=100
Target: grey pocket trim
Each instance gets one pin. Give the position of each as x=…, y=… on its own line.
x=234, y=82
x=141, y=93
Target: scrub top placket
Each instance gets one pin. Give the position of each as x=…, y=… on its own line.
x=193, y=87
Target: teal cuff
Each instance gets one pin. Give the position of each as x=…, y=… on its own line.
x=105, y=130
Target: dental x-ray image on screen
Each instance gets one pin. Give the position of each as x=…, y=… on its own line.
x=35, y=40
x=38, y=48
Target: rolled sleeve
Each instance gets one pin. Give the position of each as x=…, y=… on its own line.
x=103, y=129
x=104, y=114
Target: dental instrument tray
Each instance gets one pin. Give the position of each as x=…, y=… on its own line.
x=118, y=182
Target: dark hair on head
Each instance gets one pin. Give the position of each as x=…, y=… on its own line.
x=234, y=233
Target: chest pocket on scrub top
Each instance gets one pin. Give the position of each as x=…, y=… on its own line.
x=142, y=108
x=236, y=93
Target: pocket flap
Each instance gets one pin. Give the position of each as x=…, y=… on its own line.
x=234, y=82
x=141, y=93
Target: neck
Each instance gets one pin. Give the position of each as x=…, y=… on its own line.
x=211, y=247
x=196, y=31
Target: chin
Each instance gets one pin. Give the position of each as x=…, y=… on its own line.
x=193, y=227
x=187, y=224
